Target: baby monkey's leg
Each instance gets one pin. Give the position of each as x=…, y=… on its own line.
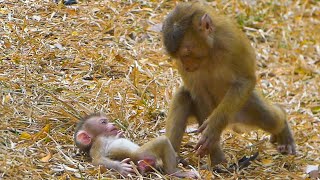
x=161, y=148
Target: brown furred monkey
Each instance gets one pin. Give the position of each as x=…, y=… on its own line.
x=104, y=143
x=217, y=66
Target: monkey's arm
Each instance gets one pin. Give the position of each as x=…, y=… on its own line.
x=232, y=102
x=98, y=154
x=123, y=167
x=176, y=120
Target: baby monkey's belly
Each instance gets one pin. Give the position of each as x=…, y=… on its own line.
x=121, y=149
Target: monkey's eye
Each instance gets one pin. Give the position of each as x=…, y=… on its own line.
x=103, y=121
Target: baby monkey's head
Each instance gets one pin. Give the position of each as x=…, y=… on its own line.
x=90, y=127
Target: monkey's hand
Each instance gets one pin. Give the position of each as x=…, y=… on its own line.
x=124, y=168
x=120, y=134
x=209, y=136
x=202, y=145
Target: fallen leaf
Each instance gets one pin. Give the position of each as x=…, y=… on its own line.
x=46, y=128
x=44, y=131
x=315, y=138
x=315, y=109
x=74, y=33
x=7, y=99
x=46, y=158
x=205, y=174
x=7, y=44
x=72, y=12
x=25, y=135
x=2, y=78
x=3, y=11
x=267, y=162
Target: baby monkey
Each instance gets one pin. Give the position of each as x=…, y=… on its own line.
x=106, y=146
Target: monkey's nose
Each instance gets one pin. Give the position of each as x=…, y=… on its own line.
x=111, y=127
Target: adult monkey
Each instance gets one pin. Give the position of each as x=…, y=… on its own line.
x=217, y=66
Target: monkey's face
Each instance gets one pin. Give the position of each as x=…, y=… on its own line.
x=192, y=52
x=101, y=125
x=186, y=36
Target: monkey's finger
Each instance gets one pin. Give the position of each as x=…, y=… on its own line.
x=201, y=152
x=203, y=149
x=126, y=160
x=205, y=144
x=128, y=170
x=120, y=134
x=125, y=165
x=197, y=146
x=200, y=142
x=202, y=127
x=281, y=148
x=294, y=150
x=289, y=149
x=123, y=173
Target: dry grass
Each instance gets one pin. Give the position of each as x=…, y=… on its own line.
x=59, y=63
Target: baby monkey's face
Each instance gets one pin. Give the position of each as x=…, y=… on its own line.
x=100, y=125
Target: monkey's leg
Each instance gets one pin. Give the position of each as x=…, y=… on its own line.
x=180, y=110
x=216, y=154
x=167, y=154
x=215, y=151
x=163, y=149
x=271, y=118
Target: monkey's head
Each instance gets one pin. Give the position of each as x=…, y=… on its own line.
x=90, y=127
x=187, y=35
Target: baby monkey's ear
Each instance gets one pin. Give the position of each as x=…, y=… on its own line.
x=83, y=138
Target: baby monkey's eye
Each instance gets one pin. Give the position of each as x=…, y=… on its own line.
x=103, y=121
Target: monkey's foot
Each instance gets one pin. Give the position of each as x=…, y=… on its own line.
x=184, y=162
x=217, y=158
x=285, y=143
x=214, y=162
x=186, y=174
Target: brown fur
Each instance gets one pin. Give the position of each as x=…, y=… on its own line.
x=217, y=66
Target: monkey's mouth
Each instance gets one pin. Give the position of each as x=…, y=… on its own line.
x=113, y=131
x=190, y=69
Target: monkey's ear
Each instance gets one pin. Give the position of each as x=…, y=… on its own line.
x=206, y=24
x=83, y=138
